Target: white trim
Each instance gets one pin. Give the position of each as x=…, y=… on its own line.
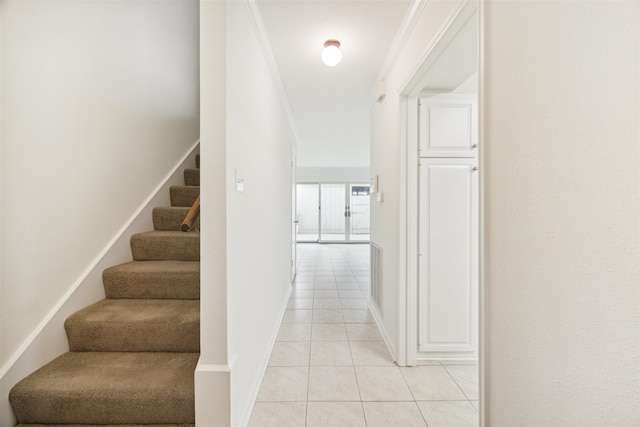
x=261, y=34
x=412, y=218
x=483, y=308
x=445, y=34
x=404, y=328
x=408, y=230
x=246, y=413
x=213, y=367
x=406, y=28
x=385, y=336
x=409, y=157
x=83, y=276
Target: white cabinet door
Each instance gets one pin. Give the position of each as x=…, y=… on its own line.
x=448, y=266
x=448, y=127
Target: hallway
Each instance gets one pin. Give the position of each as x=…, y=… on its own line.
x=330, y=366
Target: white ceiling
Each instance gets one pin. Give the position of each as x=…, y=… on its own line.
x=330, y=105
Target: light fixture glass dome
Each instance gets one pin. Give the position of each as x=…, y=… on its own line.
x=331, y=55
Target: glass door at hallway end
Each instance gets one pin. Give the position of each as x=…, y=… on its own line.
x=329, y=212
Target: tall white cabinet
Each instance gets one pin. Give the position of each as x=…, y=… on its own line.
x=448, y=229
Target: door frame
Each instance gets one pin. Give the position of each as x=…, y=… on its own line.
x=294, y=216
x=408, y=195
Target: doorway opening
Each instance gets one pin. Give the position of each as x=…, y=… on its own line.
x=333, y=212
x=442, y=210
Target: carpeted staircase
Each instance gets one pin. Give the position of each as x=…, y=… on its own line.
x=133, y=355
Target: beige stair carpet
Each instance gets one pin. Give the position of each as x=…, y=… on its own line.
x=133, y=355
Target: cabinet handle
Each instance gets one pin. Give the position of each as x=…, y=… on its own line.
x=474, y=146
x=474, y=169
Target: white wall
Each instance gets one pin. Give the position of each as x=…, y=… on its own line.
x=245, y=262
x=212, y=373
x=385, y=152
x=352, y=175
x=99, y=102
x=561, y=166
x=259, y=143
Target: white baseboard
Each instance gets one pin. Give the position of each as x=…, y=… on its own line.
x=391, y=346
x=246, y=413
x=48, y=340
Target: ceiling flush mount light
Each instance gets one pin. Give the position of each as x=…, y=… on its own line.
x=331, y=55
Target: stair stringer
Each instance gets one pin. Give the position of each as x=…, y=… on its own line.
x=49, y=340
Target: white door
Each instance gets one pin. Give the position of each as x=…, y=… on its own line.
x=448, y=261
x=344, y=212
x=448, y=127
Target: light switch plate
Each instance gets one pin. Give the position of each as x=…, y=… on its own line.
x=239, y=182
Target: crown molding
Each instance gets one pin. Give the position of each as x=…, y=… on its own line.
x=407, y=26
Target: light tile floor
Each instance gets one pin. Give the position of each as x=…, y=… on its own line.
x=330, y=366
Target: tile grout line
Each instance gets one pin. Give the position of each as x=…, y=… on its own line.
x=355, y=375
x=456, y=383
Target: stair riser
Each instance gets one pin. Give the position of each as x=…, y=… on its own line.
x=183, y=196
x=170, y=219
x=152, y=248
x=185, y=339
x=134, y=325
x=106, y=411
x=106, y=425
x=120, y=283
x=192, y=177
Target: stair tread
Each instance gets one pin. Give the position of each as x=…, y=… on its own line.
x=165, y=245
x=136, y=325
x=109, y=388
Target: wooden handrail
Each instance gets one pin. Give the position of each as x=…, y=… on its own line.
x=192, y=215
